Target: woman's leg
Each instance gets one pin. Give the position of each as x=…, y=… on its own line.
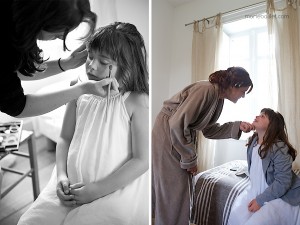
x=170, y=182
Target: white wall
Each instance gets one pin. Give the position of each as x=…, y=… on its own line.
x=137, y=13
x=228, y=150
x=170, y=75
x=162, y=24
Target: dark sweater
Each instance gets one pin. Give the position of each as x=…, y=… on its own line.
x=12, y=98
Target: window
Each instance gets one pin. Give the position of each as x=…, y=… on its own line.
x=246, y=44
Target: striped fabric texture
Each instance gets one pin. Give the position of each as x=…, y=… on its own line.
x=215, y=191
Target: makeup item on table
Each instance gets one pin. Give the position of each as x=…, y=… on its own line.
x=108, y=93
x=10, y=135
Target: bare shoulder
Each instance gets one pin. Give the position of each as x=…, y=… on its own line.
x=137, y=103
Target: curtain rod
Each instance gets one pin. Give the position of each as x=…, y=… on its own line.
x=225, y=13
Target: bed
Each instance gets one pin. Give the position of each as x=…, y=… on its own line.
x=215, y=190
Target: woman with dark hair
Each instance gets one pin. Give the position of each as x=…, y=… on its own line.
x=196, y=108
x=274, y=187
x=26, y=22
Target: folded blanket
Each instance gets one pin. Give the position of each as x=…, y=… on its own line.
x=215, y=191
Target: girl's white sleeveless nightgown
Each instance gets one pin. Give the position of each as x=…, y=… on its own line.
x=101, y=144
x=99, y=147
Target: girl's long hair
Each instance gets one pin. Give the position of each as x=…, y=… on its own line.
x=275, y=132
x=232, y=77
x=125, y=45
x=30, y=17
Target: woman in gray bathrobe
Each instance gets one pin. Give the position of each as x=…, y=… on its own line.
x=196, y=108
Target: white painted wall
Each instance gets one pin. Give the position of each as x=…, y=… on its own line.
x=172, y=74
x=137, y=13
x=162, y=38
x=228, y=150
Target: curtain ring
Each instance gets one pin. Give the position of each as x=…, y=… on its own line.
x=196, y=26
x=218, y=20
x=203, y=25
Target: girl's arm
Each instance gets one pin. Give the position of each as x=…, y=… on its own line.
x=66, y=135
x=38, y=104
x=281, y=164
x=62, y=149
x=137, y=107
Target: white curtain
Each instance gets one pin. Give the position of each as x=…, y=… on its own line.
x=284, y=30
x=205, y=59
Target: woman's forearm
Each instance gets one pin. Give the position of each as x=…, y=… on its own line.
x=52, y=68
x=38, y=104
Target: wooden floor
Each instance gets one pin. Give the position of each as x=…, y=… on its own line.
x=16, y=202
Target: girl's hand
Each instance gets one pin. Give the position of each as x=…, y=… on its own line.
x=83, y=193
x=192, y=170
x=100, y=87
x=246, y=127
x=63, y=192
x=76, y=59
x=253, y=206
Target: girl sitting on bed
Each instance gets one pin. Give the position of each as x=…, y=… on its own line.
x=102, y=154
x=273, y=196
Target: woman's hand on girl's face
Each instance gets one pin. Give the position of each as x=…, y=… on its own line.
x=63, y=193
x=77, y=58
x=246, y=127
x=100, y=87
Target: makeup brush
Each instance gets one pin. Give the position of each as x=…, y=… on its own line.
x=108, y=92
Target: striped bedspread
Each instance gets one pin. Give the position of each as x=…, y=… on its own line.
x=215, y=191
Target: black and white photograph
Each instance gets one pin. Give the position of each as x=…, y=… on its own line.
x=77, y=78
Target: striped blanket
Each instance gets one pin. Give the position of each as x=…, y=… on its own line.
x=215, y=191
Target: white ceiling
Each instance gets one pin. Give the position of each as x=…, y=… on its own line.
x=178, y=2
